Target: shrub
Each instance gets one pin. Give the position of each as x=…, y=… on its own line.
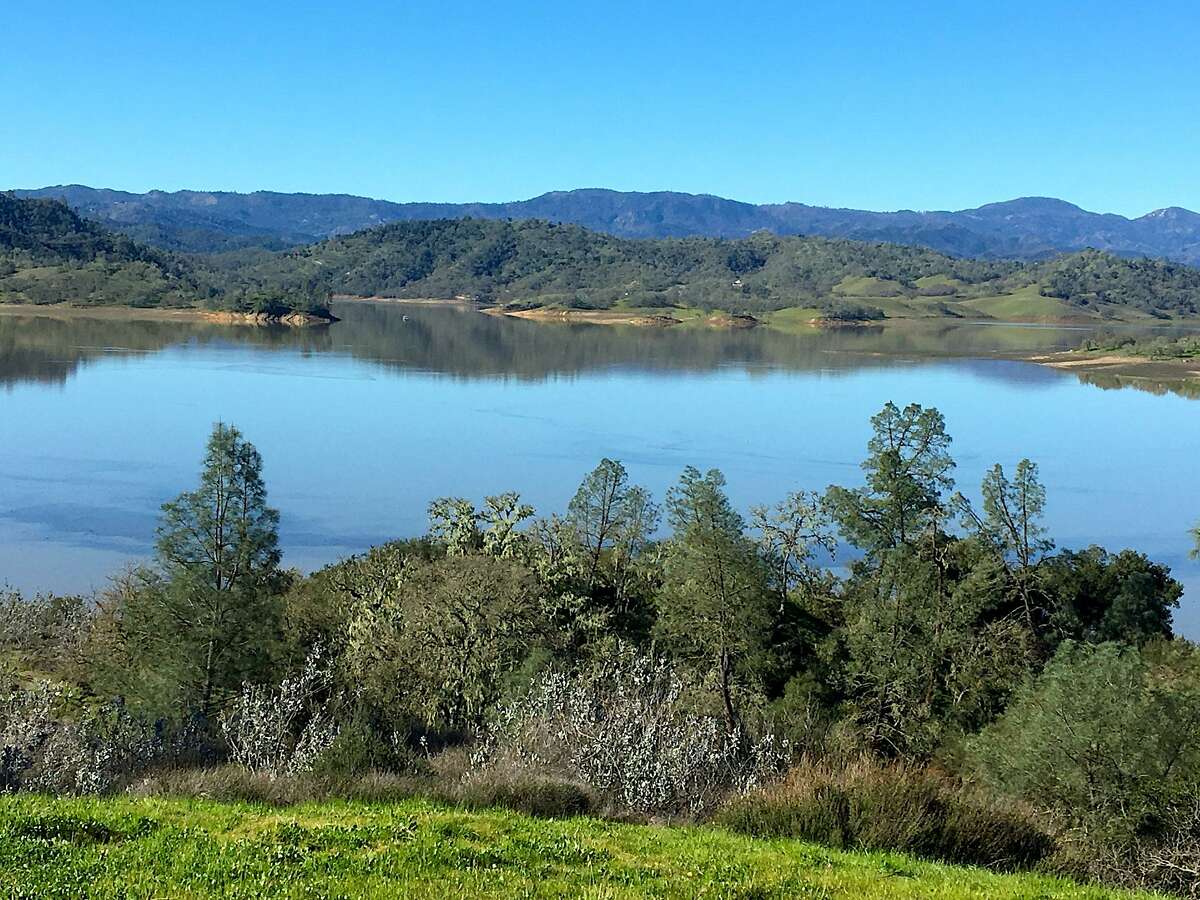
x=359, y=747
x=45, y=631
x=1167, y=860
x=1102, y=738
x=847, y=311
x=873, y=806
x=433, y=641
x=518, y=789
x=96, y=749
x=1170, y=861
x=281, y=730
x=622, y=729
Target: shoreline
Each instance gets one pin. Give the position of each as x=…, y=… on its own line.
x=586, y=316
x=157, y=314
x=1119, y=364
x=669, y=316
x=465, y=302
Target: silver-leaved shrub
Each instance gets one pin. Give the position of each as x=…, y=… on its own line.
x=282, y=730
x=622, y=728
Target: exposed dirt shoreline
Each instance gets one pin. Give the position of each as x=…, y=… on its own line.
x=1125, y=365
x=145, y=314
x=593, y=316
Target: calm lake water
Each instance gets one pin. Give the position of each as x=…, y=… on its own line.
x=362, y=423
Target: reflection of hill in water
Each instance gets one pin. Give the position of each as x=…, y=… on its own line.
x=466, y=344
x=1109, y=382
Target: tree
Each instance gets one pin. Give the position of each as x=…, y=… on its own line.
x=1107, y=736
x=222, y=536
x=715, y=602
x=612, y=522
x=454, y=522
x=438, y=643
x=502, y=515
x=1100, y=596
x=907, y=469
x=905, y=625
x=210, y=616
x=1011, y=525
x=789, y=534
x=463, y=530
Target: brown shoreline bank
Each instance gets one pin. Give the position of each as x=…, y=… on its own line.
x=1125, y=365
x=151, y=314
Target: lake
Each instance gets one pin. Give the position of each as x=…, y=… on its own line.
x=361, y=424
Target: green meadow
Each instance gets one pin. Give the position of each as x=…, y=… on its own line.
x=135, y=848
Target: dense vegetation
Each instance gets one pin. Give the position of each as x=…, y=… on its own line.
x=48, y=254
x=1161, y=348
x=540, y=263
x=962, y=690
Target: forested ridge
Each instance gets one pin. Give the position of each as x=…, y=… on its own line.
x=1026, y=228
x=540, y=263
x=49, y=254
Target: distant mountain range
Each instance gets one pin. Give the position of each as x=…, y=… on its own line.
x=1029, y=228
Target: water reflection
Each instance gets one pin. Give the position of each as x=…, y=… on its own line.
x=467, y=344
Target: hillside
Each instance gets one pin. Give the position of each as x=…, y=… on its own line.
x=49, y=254
x=535, y=263
x=1029, y=228
x=118, y=847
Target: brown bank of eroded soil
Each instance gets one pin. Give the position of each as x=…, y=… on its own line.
x=1119, y=364
x=140, y=314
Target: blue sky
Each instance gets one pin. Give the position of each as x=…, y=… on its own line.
x=871, y=105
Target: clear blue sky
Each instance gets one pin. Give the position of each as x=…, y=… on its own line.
x=878, y=105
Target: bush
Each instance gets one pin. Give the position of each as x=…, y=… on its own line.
x=1101, y=739
x=847, y=311
x=872, y=806
x=282, y=730
x=359, y=747
x=517, y=789
x=94, y=750
x=622, y=729
x=523, y=791
x=44, y=632
x=1166, y=861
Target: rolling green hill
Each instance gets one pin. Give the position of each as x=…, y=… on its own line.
x=177, y=848
x=535, y=263
x=48, y=254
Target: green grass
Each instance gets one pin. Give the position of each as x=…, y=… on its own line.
x=131, y=848
x=864, y=286
x=793, y=317
x=929, y=282
x=1028, y=304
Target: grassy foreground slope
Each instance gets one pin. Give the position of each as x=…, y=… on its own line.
x=187, y=848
